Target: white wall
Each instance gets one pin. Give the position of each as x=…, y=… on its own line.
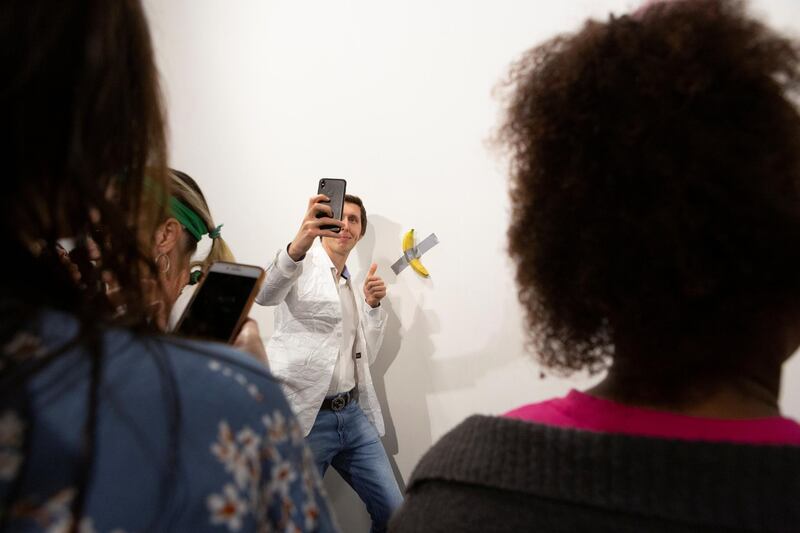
x=265, y=97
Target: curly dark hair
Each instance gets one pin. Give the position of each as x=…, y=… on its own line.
x=655, y=162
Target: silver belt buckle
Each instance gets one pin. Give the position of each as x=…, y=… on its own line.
x=338, y=403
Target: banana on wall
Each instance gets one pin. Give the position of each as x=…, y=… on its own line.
x=414, y=262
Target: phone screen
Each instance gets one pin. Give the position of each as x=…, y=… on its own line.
x=215, y=310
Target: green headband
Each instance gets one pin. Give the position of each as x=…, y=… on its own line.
x=184, y=214
x=190, y=220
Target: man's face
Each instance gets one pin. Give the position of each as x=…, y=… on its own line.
x=351, y=232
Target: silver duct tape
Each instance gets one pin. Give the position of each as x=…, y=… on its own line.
x=415, y=253
x=427, y=243
x=399, y=265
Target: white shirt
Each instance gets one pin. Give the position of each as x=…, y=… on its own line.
x=344, y=373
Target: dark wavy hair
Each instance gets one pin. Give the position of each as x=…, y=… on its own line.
x=82, y=116
x=655, y=163
x=83, y=151
x=351, y=199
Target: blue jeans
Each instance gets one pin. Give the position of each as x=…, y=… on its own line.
x=347, y=440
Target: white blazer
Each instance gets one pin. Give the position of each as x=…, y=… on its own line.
x=305, y=344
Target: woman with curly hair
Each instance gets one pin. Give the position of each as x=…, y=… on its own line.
x=106, y=424
x=656, y=235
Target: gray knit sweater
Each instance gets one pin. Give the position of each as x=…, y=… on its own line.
x=497, y=474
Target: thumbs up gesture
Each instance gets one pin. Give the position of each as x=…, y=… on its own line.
x=374, y=287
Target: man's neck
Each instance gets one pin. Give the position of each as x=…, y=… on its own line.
x=336, y=258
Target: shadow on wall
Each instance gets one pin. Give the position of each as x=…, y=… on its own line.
x=350, y=511
x=393, y=336
x=430, y=376
x=422, y=376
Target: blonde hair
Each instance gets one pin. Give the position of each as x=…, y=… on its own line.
x=185, y=189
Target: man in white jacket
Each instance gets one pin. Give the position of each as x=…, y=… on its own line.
x=326, y=336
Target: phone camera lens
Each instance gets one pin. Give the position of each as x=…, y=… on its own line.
x=322, y=185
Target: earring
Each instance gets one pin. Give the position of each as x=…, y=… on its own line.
x=166, y=268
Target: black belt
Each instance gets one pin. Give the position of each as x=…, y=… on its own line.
x=340, y=401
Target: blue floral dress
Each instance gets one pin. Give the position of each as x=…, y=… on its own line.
x=189, y=437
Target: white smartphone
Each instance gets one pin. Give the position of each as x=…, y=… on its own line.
x=220, y=304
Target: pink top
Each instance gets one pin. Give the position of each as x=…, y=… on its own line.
x=582, y=411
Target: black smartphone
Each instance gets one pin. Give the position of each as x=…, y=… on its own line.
x=220, y=304
x=334, y=189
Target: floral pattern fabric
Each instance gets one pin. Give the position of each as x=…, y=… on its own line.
x=189, y=437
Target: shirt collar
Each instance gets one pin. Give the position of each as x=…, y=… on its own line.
x=325, y=257
x=345, y=272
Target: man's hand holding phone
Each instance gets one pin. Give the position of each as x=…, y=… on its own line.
x=311, y=227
